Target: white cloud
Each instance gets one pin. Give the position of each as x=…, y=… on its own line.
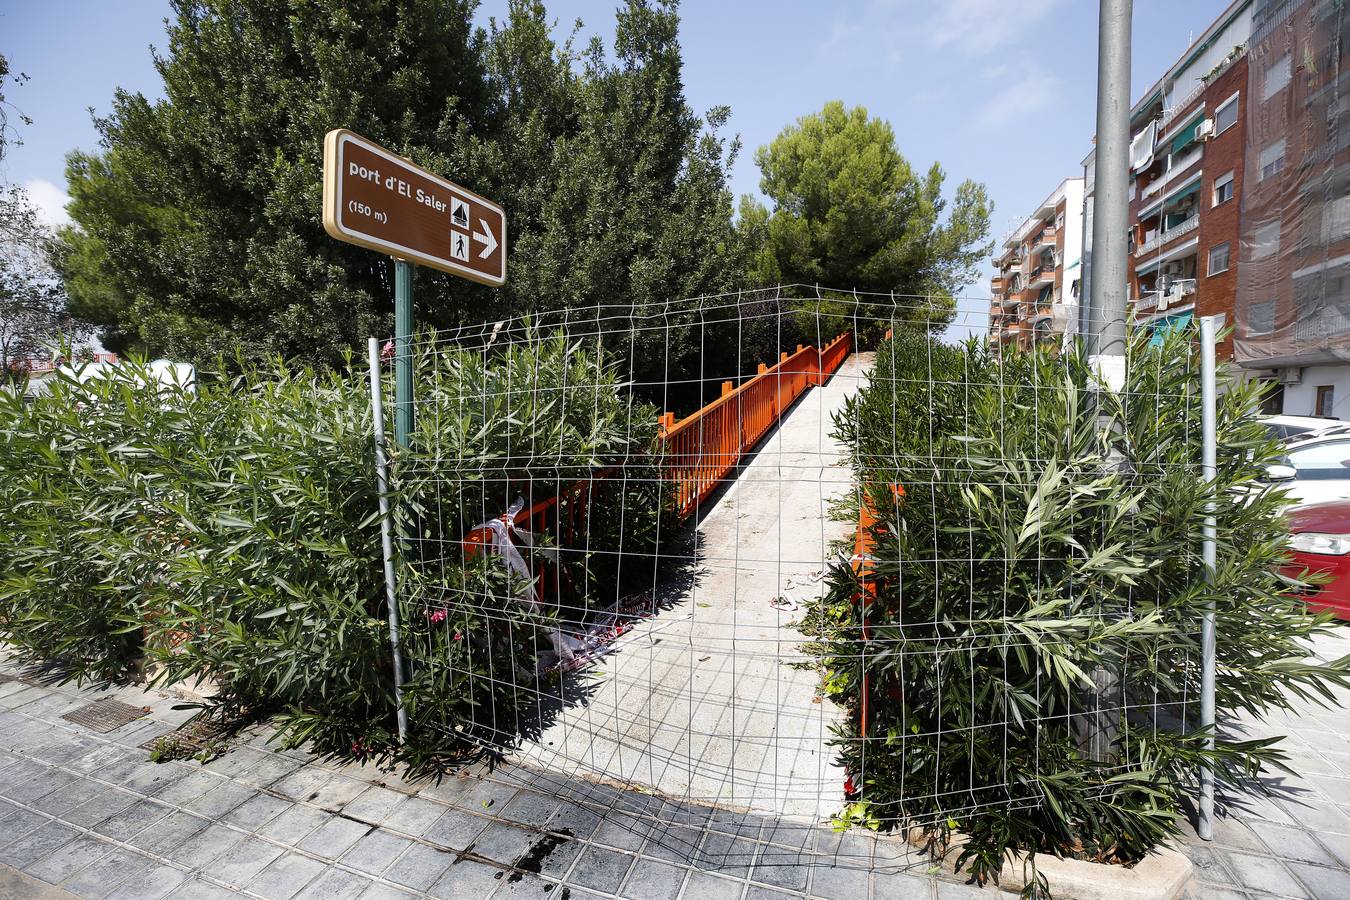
x=841, y=34
x=1029, y=94
x=980, y=26
x=50, y=201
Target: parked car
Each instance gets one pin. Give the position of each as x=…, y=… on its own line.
x=1290, y=428
x=1321, y=545
x=1314, y=470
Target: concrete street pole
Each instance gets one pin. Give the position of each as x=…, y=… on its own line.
x=1097, y=728
x=1106, y=318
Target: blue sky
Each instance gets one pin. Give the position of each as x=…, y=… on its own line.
x=1001, y=91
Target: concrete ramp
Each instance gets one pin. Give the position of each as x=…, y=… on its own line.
x=703, y=702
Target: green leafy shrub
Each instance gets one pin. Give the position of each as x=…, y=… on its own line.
x=1043, y=560
x=232, y=533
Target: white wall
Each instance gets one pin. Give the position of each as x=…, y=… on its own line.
x=1300, y=399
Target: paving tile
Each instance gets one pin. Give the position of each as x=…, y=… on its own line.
x=650, y=879
x=286, y=876
x=551, y=855
x=599, y=869
x=257, y=811
x=57, y=803
x=108, y=802
x=43, y=781
x=529, y=808
x=238, y=866
x=379, y=891
x=106, y=874
x=1208, y=866
x=374, y=852
x=469, y=879
x=503, y=843
x=1263, y=874
x=220, y=800
x=19, y=824
x=762, y=893
x=132, y=821
x=334, y=837
x=1292, y=844
x=268, y=770
x=787, y=877
x=414, y=817
x=900, y=886
x=189, y=788
x=840, y=882
x=374, y=805
x=151, y=884
x=36, y=844
x=196, y=889
x=335, y=884
x=294, y=825
x=707, y=886
x=1197, y=890
x=419, y=867
x=1324, y=883
x=455, y=829
x=575, y=821
x=168, y=833
x=66, y=861
x=206, y=846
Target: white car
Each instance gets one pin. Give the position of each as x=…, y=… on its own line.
x=1316, y=469
x=1298, y=428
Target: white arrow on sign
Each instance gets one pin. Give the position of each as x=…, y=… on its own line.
x=488, y=239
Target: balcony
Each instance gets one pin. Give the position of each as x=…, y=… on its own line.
x=1179, y=167
x=1167, y=236
x=1041, y=276
x=1045, y=239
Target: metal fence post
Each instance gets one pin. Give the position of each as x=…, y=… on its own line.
x=1209, y=467
x=386, y=533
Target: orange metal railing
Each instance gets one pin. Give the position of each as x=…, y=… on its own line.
x=702, y=449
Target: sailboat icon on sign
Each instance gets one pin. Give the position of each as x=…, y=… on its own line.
x=459, y=212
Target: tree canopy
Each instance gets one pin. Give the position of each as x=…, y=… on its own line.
x=849, y=211
x=33, y=314
x=199, y=224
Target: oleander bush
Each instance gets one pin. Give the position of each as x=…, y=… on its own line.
x=1030, y=664
x=231, y=532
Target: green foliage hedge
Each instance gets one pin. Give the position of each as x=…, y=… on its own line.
x=232, y=532
x=1037, y=548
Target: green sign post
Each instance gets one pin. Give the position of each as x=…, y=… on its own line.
x=376, y=199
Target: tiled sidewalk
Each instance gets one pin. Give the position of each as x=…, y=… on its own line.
x=89, y=812
x=1296, y=842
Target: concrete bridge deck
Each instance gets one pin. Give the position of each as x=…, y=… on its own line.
x=702, y=701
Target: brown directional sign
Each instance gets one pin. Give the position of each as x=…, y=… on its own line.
x=377, y=199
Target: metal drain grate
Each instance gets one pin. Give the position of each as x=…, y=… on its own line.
x=191, y=739
x=105, y=715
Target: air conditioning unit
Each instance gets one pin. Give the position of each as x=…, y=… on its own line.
x=1204, y=130
x=1290, y=375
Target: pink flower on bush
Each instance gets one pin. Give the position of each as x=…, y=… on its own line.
x=458, y=636
x=436, y=616
x=387, y=351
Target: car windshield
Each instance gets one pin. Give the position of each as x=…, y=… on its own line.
x=1322, y=461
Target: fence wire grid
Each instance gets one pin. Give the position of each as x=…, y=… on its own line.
x=722, y=564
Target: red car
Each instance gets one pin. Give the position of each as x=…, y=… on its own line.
x=1321, y=544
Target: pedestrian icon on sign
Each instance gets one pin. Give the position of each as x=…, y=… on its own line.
x=459, y=212
x=459, y=246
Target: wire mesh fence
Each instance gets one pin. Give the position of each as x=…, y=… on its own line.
x=804, y=556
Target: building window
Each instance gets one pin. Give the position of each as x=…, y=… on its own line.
x=1218, y=258
x=1325, y=397
x=1225, y=117
x=1266, y=240
x=1272, y=159
x=1273, y=402
x=1223, y=188
x=1261, y=318
x=1277, y=76
x=1335, y=220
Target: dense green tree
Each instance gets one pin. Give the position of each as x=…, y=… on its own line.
x=199, y=224
x=850, y=212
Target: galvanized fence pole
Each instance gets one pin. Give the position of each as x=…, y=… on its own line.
x=1209, y=466
x=386, y=533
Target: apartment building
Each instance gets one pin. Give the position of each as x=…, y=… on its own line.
x=1293, y=286
x=1188, y=135
x=1034, y=295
